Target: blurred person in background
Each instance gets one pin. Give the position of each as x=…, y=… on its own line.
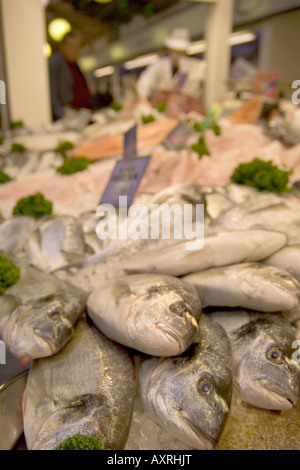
x=67, y=83
x=176, y=72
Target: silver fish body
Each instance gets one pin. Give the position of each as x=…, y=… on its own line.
x=260, y=211
x=190, y=395
x=293, y=317
x=88, y=388
x=179, y=194
x=220, y=249
x=14, y=234
x=288, y=259
x=266, y=375
x=154, y=314
x=248, y=285
x=56, y=242
x=38, y=314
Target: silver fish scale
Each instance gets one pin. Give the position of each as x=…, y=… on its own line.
x=190, y=395
x=88, y=388
x=37, y=322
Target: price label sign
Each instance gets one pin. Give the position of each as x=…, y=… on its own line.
x=178, y=138
x=125, y=180
x=130, y=145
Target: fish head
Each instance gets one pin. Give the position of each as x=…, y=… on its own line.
x=42, y=328
x=79, y=415
x=266, y=374
x=191, y=395
x=171, y=320
x=270, y=283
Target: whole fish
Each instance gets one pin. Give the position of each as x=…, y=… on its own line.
x=266, y=375
x=186, y=193
x=154, y=314
x=56, y=242
x=38, y=314
x=190, y=395
x=165, y=207
x=88, y=389
x=288, y=259
x=217, y=202
x=220, y=249
x=14, y=234
x=293, y=317
x=260, y=211
x=248, y=285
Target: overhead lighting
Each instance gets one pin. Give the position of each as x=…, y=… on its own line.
x=234, y=39
x=141, y=61
x=88, y=63
x=241, y=38
x=118, y=52
x=47, y=50
x=197, y=48
x=104, y=71
x=58, y=28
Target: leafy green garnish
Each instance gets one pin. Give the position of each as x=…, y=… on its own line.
x=9, y=274
x=1, y=140
x=16, y=124
x=18, y=148
x=4, y=178
x=201, y=147
x=63, y=147
x=79, y=442
x=116, y=106
x=34, y=206
x=210, y=121
x=161, y=107
x=205, y=125
x=263, y=176
x=71, y=166
x=147, y=119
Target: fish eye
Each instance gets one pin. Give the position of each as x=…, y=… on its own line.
x=205, y=387
x=275, y=355
x=178, y=308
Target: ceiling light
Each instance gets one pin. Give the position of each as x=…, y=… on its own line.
x=241, y=38
x=58, y=28
x=104, y=71
x=197, y=48
x=141, y=61
x=47, y=50
x=117, y=52
x=88, y=63
x=234, y=39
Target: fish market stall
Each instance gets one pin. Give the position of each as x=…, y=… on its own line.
x=138, y=343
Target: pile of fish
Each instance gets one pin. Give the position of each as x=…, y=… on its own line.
x=102, y=325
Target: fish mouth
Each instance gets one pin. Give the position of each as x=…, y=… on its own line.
x=181, y=341
x=206, y=442
x=173, y=338
x=286, y=400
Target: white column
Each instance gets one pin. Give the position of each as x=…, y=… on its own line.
x=219, y=22
x=24, y=33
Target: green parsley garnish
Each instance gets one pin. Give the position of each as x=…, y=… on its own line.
x=201, y=147
x=79, y=442
x=34, y=206
x=71, y=166
x=9, y=274
x=4, y=178
x=63, y=147
x=263, y=176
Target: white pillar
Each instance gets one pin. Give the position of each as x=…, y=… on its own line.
x=219, y=22
x=24, y=33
